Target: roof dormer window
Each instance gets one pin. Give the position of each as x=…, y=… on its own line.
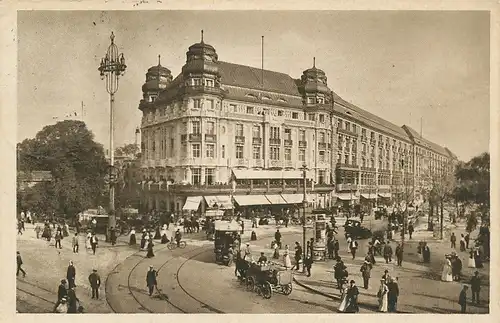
x=310, y=100
x=209, y=83
x=321, y=100
x=197, y=82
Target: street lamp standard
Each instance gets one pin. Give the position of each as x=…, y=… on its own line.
x=112, y=66
x=304, y=204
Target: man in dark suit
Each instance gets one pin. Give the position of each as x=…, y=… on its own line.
x=387, y=253
x=151, y=280
x=399, y=254
x=71, y=274
x=95, y=283
x=462, y=299
x=19, y=264
x=475, y=286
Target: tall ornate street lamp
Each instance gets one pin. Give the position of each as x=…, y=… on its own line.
x=304, y=204
x=112, y=66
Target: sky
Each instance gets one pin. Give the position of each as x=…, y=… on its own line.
x=425, y=69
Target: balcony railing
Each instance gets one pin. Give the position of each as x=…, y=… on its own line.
x=288, y=142
x=347, y=132
x=239, y=139
x=302, y=144
x=256, y=141
x=195, y=137
x=275, y=141
x=368, y=169
x=242, y=162
x=275, y=163
x=210, y=138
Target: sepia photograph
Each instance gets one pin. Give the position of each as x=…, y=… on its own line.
x=250, y=162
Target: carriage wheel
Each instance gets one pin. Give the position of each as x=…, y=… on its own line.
x=171, y=246
x=287, y=289
x=182, y=244
x=250, y=284
x=267, y=290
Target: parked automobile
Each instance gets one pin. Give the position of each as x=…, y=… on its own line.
x=354, y=229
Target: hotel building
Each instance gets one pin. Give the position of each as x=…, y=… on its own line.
x=221, y=132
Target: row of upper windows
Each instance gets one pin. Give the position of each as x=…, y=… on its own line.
x=280, y=113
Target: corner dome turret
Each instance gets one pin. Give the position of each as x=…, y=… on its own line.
x=314, y=80
x=157, y=78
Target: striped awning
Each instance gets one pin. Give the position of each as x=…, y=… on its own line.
x=276, y=199
x=386, y=195
x=370, y=196
x=192, y=203
x=244, y=200
x=222, y=201
x=293, y=198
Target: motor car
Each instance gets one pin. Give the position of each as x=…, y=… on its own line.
x=354, y=229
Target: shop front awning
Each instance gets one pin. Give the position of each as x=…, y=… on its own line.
x=386, y=195
x=293, y=198
x=192, y=203
x=346, y=196
x=370, y=196
x=244, y=200
x=276, y=199
x=221, y=201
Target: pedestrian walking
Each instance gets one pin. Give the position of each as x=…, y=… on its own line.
x=276, y=253
x=308, y=264
x=37, y=231
x=62, y=293
x=349, y=240
x=472, y=261
x=399, y=254
x=132, y=241
x=352, y=298
x=286, y=258
x=143, y=239
x=462, y=243
x=336, y=247
x=75, y=243
x=426, y=253
x=19, y=261
x=72, y=301
x=93, y=242
x=462, y=299
x=95, y=283
x=151, y=281
x=298, y=255
x=410, y=229
x=475, y=286
x=87, y=241
x=388, y=253
x=150, y=253
x=340, y=272
x=112, y=236
x=19, y=228
x=71, y=275
x=392, y=295
x=277, y=238
x=178, y=237
x=467, y=239
x=453, y=240
x=366, y=272
x=446, y=274
x=343, y=299
x=353, y=246
x=58, y=238
x=382, y=296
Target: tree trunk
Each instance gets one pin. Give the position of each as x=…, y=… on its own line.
x=442, y=220
x=430, y=217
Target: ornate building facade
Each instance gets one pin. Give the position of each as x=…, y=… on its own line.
x=223, y=129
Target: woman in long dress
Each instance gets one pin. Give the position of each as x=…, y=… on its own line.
x=343, y=299
x=150, y=253
x=446, y=275
x=286, y=258
x=132, y=240
x=276, y=254
x=382, y=296
x=472, y=261
x=87, y=241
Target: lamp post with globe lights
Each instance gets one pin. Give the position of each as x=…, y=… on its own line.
x=112, y=66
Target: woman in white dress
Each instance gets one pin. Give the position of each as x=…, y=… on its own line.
x=343, y=299
x=382, y=296
x=349, y=239
x=87, y=241
x=472, y=261
x=286, y=258
x=446, y=275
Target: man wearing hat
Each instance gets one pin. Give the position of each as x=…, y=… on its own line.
x=62, y=306
x=19, y=264
x=151, y=280
x=71, y=274
x=95, y=282
x=365, y=270
x=475, y=286
x=62, y=293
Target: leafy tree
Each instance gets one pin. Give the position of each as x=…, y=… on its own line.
x=77, y=163
x=128, y=150
x=473, y=180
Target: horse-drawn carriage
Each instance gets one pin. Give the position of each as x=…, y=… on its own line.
x=265, y=278
x=225, y=243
